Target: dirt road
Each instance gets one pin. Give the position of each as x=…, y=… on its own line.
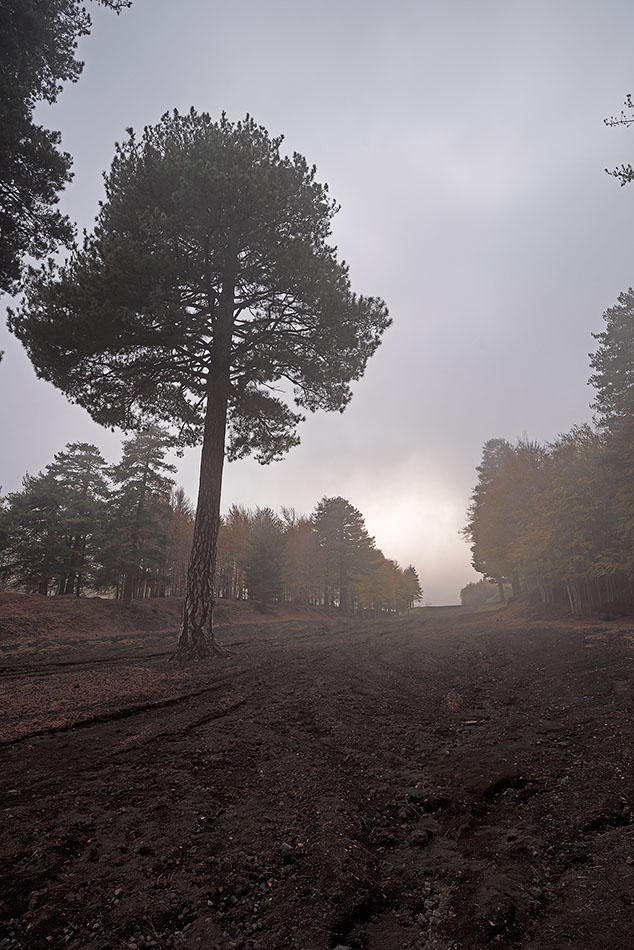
x=436, y=782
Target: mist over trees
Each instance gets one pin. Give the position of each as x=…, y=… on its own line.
x=483, y=593
x=318, y=560
x=124, y=530
x=557, y=521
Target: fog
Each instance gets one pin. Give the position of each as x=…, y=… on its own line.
x=466, y=146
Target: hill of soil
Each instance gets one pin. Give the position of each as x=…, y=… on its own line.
x=436, y=782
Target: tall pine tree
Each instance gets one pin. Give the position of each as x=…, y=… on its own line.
x=207, y=288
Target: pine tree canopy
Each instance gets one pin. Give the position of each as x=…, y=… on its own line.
x=199, y=214
x=613, y=363
x=38, y=39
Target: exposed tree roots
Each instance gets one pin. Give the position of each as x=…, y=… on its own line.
x=198, y=651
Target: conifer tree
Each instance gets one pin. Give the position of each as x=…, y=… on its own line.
x=613, y=379
x=53, y=528
x=411, y=590
x=347, y=549
x=613, y=364
x=486, y=528
x=32, y=536
x=38, y=40
x=80, y=473
x=207, y=283
x=264, y=556
x=140, y=513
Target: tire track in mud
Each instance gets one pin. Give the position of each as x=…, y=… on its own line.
x=125, y=712
x=75, y=665
x=131, y=661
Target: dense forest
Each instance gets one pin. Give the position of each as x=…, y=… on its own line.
x=556, y=521
x=126, y=530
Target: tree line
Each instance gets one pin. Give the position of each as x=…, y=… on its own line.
x=556, y=521
x=83, y=525
x=325, y=559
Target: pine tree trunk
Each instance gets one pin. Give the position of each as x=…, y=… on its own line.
x=129, y=581
x=79, y=575
x=344, y=592
x=197, y=635
x=501, y=591
x=71, y=577
x=45, y=570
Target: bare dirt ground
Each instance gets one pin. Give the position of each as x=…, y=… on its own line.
x=436, y=782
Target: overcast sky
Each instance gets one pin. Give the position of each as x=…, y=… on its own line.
x=465, y=144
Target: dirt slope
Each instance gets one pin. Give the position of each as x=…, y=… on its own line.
x=437, y=782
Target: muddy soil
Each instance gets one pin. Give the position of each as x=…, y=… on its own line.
x=436, y=782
